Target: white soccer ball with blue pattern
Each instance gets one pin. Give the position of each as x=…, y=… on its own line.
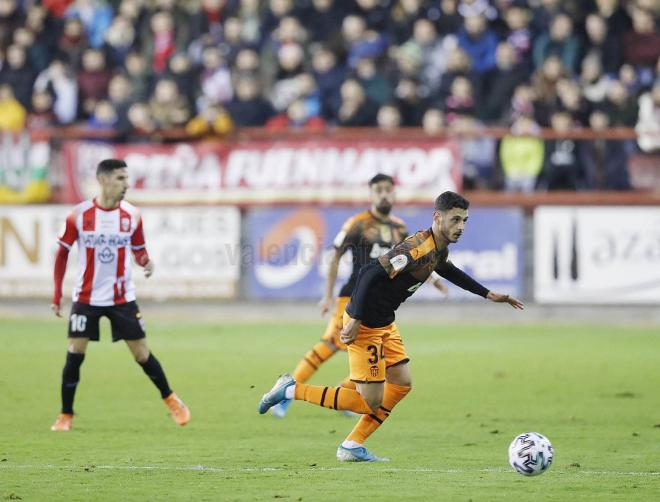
x=530, y=454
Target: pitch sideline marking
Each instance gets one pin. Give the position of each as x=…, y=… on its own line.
x=202, y=468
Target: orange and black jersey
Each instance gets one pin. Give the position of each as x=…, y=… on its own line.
x=385, y=284
x=368, y=237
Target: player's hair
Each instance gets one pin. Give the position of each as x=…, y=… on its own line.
x=449, y=200
x=381, y=177
x=108, y=165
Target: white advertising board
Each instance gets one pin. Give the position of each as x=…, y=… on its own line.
x=196, y=251
x=597, y=255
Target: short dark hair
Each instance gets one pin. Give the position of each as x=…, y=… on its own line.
x=449, y=200
x=381, y=177
x=108, y=165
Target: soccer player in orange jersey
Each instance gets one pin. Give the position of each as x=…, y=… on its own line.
x=377, y=357
x=107, y=230
x=368, y=235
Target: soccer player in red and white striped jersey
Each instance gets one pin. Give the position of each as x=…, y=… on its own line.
x=107, y=230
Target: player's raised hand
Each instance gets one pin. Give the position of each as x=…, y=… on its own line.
x=350, y=332
x=325, y=305
x=149, y=268
x=56, y=309
x=498, y=298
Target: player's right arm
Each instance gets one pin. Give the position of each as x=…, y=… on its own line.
x=347, y=236
x=68, y=236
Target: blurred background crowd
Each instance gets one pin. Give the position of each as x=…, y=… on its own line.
x=209, y=66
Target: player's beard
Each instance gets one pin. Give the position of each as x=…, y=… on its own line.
x=384, y=208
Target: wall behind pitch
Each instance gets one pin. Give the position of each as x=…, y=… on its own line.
x=196, y=251
x=287, y=250
x=597, y=255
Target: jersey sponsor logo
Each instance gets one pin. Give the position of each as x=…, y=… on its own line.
x=106, y=255
x=399, y=262
x=339, y=240
x=112, y=240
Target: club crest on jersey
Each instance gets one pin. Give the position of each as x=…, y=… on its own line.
x=374, y=371
x=399, y=262
x=124, y=224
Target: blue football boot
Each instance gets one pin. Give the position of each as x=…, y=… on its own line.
x=277, y=394
x=359, y=454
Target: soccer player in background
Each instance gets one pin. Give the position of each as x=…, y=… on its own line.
x=377, y=357
x=368, y=235
x=107, y=229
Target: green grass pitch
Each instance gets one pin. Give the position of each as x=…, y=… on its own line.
x=593, y=390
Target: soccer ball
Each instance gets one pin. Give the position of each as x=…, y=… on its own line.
x=530, y=454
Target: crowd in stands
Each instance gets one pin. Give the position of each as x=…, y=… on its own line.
x=208, y=66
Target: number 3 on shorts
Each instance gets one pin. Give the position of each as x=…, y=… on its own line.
x=78, y=323
x=374, y=353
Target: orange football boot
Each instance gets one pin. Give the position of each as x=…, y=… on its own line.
x=180, y=412
x=63, y=423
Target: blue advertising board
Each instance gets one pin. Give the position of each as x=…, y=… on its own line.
x=288, y=248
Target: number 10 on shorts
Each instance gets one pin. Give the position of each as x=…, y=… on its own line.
x=78, y=323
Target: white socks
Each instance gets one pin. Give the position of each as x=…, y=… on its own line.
x=290, y=391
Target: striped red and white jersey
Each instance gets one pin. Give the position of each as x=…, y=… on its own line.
x=105, y=239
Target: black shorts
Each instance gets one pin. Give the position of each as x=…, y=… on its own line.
x=125, y=319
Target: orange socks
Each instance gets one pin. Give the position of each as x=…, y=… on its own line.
x=370, y=421
x=311, y=362
x=335, y=398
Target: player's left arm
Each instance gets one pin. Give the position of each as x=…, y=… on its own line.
x=438, y=283
x=139, y=248
x=456, y=276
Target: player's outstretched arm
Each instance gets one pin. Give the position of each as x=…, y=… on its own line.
x=498, y=298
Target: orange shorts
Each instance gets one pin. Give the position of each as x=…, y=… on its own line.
x=373, y=351
x=333, y=330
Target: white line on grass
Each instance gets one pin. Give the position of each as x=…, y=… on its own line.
x=203, y=468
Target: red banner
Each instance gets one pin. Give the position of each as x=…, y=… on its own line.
x=258, y=172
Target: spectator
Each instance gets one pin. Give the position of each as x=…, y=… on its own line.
x=545, y=88
x=557, y=41
x=615, y=16
x=433, y=121
x=355, y=109
x=93, y=80
x=12, y=112
x=104, y=116
x=359, y=42
x=215, y=79
x=298, y=116
x=96, y=17
x=375, y=85
x=388, y=117
x=479, y=42
x=641, y=45
x=473, y=8
x=274, y=12
x=141, y=124
x=477, y=152
x=402, y=19
x=290, y=59
x=562, y=169
x=605, y=161
x=233, y=38
x=213, y=120
x=522, y=104
x=57, y=7
x=41, y=115
x=249, y=14
x=521, y=155
x=374, y=12
x=162, y=43
x=460, y=101
x=602, y=44
x=570, y=99
x=18, y=75
x=410, y=101
x=58, y=80
x=620, y=106
x=119, y=40
x=325, y=17
x=208, y=19
x=458, y=65
x=138, y=75
x=249, y=108
x=329, y=76
x=72, y=43
x=37, y=53
x=179, y=69
x=168, y=106
x=119, y=94
x=648, y=122
x=496, y=86
x=519, y=35
x=543, y=14
x=10, y=19
x=593, y=83
x=446, y=16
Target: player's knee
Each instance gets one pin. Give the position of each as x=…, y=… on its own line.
x=374, y=402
